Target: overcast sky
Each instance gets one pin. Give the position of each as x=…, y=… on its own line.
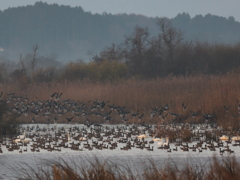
x=150, y=8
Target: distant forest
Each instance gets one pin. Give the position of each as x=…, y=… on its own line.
x=72, y=33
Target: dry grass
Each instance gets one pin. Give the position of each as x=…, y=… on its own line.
x=98, y=169
x=204, y=94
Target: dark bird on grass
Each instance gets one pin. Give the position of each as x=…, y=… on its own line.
x=35, y=112
x=55, y=120
x=124, y=119
x=70, y=119
x=51, y=96
x=160, y=112
x=194, y=114
x=33, y=120
x=155, y=109
x=135, y=114
x=103, y=104
x=108, y=118
x=58, y=97
x=140, y=117
x=165, y=108
x=239, y=107
x=87, y=123
x=152, y=113
x=174, y=114
x=235, y=116
x=227, y=108
x=10, y=94
x=163, y=116
x=107, y=114
x=208, y=116
x=184, y=106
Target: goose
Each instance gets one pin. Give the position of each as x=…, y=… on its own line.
x=165, y=108
x=175, y=149
x=150, y=149
x=227, y=108
x=69, y=119
x=140, y=117
x=184, y=106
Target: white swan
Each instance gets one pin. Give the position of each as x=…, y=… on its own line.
x=142, y=136
x=26, y=140
x=234, y=138
x=224, y=138
x=69, y=138
x=22, y=136
x=82, y=139
x=19, y=138
x=160, y=143
x=156, y=139
x=166, y=143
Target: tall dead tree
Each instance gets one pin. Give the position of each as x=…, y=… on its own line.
x=171, y=37
x=34, y=60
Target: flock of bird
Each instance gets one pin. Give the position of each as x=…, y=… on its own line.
x=93, y=134
x=65, y=110
x=38, y=138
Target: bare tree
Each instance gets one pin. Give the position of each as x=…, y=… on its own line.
x=23, y=67
x=34, y=60
x=170, y=36
x=112, y=53
x=135, y=47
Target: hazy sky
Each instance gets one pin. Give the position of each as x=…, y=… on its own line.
x=151, y=8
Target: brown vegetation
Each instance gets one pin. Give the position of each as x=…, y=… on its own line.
x=98, y=169
x=204, y=94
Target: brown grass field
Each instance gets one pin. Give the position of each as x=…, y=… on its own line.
x=95, y=168
x=202, y=93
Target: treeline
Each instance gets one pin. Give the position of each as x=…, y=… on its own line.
x=168, y=53
x=73, y=33
x=140, y=56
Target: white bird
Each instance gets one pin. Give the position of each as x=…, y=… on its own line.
x=82, y=139
x=156, y=139
x=160, y=143
x=224, y=138
x=142, y=136
x=234, y=138
x=166, y=143
x=26, y=140
x=19, y=138
x=69, y=138
x=22, y=136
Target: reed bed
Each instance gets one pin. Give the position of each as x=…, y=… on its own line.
x=202, y=93
x=96, y=168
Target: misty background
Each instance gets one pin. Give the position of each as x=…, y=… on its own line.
x=71, y=33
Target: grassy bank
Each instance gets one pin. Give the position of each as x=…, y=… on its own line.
x=99, y=168
x=203, y=94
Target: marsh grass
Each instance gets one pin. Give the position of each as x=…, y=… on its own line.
x=96, y=168
x=202, y=93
